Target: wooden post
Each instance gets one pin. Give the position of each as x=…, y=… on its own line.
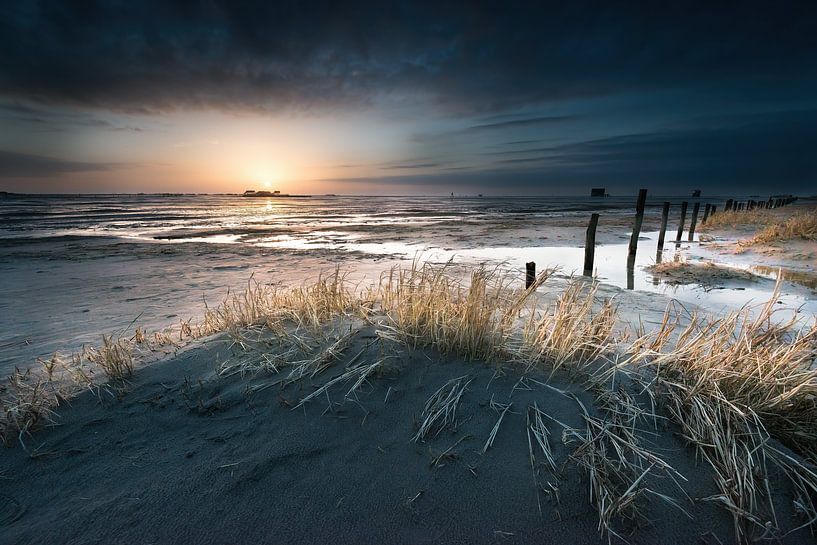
x=728, y=206
x=714, y=209
x=707, y=209
x=590, y=245
x=692, y=225
x=663, y=231
x=530, y=274
x=683, y=219
x=639, y=220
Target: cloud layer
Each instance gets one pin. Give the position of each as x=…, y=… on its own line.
x=461, y=56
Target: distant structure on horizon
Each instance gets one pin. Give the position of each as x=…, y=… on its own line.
x=276, y=193
x=599, y=192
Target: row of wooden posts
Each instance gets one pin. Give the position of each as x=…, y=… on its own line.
x=709, y=210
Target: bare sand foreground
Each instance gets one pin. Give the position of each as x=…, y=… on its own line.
x=427, y=411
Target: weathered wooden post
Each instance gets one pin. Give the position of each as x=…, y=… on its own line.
x=707, y=209
x=590, y=245
x=728, y=206
x=683, y=219
x=694, y=222
x=530, y=274
x=639, y=220
x=663, y=231
x=714, y=209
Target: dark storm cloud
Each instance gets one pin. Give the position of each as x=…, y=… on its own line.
x=23, y=165
x=465, y=57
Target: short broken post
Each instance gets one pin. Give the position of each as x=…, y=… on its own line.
x=728, y=206
x=694, y=222
x=530, y=274
x=707, y=209
x=590, y=245
x=684, y=206
x=639, y=220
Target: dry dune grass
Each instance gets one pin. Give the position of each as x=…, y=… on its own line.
x=427, y=306
x=270, y=305
x=731, y=219
x=486, y=319
x=571, y=331
x=114, y=357
x=731, y=383
x=802, y=226
x=30, y=398
x=799, y=225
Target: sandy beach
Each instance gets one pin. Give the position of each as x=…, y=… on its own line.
x=360, y=412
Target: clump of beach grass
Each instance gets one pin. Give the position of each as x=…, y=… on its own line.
x=427, y=306
x=114, y=357
x=29, y=398
x=269, y=305
x=481, y=319
x=733, y=219
x=732, y=383
x=28, y=402
x=572, y=330
x=802, y=226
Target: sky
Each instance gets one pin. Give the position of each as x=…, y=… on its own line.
x=381, y=98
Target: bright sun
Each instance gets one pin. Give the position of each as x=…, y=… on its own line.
x=267, y=184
